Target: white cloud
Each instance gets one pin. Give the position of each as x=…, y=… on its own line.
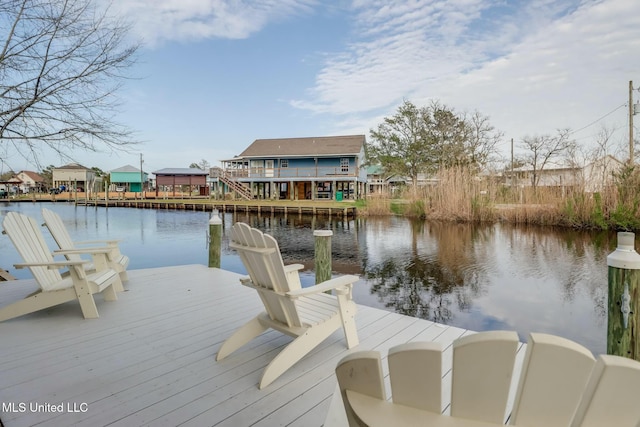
x=531, y=69
x=185, y=20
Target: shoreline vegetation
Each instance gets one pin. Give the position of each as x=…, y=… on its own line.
x=461, y=196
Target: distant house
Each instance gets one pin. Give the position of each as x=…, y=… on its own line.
x=592, y=177
x=73, y=176
x=313, y=168
x=600, y=173
x=547, y=177
x=170, y=180
x=128, y=178
x=380, y=182
x=30, y=182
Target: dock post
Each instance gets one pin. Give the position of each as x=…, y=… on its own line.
x=623, y=337
x=322, y=255
x=215, y=239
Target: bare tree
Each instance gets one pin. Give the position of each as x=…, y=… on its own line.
x=447, y=132
x=61, y=64
x=482, y=140
x=202, y=164
x=542, y=150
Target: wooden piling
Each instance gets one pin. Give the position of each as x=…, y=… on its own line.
x=623, y=337
x=322, y=255
x=215, y=240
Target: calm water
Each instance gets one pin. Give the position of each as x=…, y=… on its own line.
x=476, y=277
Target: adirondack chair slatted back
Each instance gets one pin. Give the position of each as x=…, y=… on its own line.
x=26, y=236
x=542, y=399
x=417, y=388
x=63, y=239
x=481, y=377
x=361, y=372
x=261, y=257
x=560, y=384
x=59, y=233
x=612, y=395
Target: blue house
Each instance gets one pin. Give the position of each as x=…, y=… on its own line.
x=314, y=168
x=128, y=178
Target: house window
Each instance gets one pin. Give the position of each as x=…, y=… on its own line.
x=344, y=164
x=284, y=163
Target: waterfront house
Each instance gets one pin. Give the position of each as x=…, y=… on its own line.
x=312, y=168
x=128, y=178
x=73, y=176
x=593, y=177
x=189, y=180
x=382, y=183
x=599, y=174
x=30, y=181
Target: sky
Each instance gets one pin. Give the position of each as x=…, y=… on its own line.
x=215, y=75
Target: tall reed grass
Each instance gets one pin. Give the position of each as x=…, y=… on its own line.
x=459, y=194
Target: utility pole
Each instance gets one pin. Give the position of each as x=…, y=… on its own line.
x=631, y=161
x=141, y=179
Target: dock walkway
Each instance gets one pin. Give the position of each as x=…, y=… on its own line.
x=264, y=208
x=150, y=357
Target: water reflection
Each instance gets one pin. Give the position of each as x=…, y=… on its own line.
x=494, y=277
x=480, y=277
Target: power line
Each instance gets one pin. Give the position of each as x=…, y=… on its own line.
x=597, y=120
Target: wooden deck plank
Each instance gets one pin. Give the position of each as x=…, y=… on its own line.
x=150, y=357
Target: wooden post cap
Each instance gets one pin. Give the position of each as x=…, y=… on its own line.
x=215, y=219
x=323, y=233
x=625, y=255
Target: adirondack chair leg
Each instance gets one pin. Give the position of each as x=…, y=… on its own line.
x=117, y=287
x=36, y=301
x=110, y=292
x=240, y=337
x=347, y=315
x=296, y=350
x=85, y=298
x=124, y=277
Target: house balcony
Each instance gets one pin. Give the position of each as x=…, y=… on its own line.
x=306, y=174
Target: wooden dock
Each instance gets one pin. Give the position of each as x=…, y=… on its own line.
x=265, y=208
x=150, y=357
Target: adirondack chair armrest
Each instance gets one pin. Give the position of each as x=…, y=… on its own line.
x=82, y=251
x=328, y=285
x=246, y=281
x=293, y=267
x=50, y=265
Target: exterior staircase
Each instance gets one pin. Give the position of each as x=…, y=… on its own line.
x=234, y=185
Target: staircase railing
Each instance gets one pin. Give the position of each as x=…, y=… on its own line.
x=234, y=185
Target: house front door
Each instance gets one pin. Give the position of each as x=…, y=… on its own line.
x=268, y=168
x=300, y=191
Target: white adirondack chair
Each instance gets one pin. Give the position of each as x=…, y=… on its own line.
x=114, y=258
x=560, y=385
x=26, y=235
x=310, y=315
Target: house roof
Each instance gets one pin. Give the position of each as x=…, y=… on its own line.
x=310, y=146
x=375, y=170
x=181, y=171
x=73, y=166
x=127, y=168
x=34, y=176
